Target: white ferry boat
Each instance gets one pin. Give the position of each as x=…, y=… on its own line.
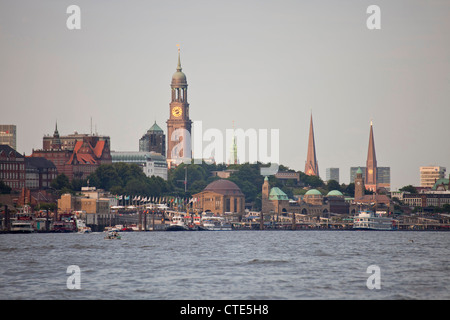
x=369, y=220
x=23, y=222
x=212, y=223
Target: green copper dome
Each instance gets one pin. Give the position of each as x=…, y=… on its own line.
x=314, y=192
x=277, y=194
x=335, y=193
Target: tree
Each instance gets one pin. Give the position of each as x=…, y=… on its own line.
x=4, y=188
x=408, y=188
x=61, y=182
x=333, y=185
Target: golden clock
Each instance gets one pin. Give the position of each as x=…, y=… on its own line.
x=177, y=112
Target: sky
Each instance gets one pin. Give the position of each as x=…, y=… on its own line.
x=257, y=64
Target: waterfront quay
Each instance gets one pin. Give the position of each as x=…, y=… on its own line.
x=159, y=220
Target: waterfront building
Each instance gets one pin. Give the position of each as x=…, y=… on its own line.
x=179, y=123
x=93, y=206
x=311, y=165
x=154, y=140
x=8, y=135
x=12, y=167
x=39, y=173
x=221, y=197
x=430, y=174
x=77, y=155
x=152, y=163
x=332, y=174
x=275, y=202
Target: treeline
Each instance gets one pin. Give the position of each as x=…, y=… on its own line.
x=186, y=180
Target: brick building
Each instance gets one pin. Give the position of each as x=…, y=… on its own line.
x=78, y=155
x=12, y=167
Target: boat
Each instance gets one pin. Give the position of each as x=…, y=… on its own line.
x=177, y=223
x=23, y=222
x=81, y=226
x=369, y=220
x=212, y=223
x=113, y=235
x=66, y=223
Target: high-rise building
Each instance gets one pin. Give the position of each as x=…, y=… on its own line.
x=179, y=125
x=332, y=174
x=429, y=175
x=311, y=165
x=8, y=135
x=153, y=140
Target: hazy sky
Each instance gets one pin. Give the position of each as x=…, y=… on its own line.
x=262, y=64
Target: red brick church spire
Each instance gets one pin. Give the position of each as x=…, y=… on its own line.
x=371, y=164
x=311, y=166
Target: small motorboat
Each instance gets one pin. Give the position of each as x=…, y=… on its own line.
x=113, y=235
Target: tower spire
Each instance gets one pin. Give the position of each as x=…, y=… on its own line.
x=179, y=60
x=371, y=164
x=311, y=166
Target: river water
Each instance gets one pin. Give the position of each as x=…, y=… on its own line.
x=235, y=265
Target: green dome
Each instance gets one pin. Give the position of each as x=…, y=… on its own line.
x=335, y=193
x=277, y=194
x=314, y=192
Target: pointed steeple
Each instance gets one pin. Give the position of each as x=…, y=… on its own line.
x=179, y=60
x=311, y=166
x=371, y=164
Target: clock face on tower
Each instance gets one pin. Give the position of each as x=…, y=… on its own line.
x=177, y=112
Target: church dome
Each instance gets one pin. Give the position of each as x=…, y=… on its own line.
x=179, y=78
x=314, y=192
x=335, y=193
x=225, y=187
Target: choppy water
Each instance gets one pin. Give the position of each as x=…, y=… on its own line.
x=227, y=265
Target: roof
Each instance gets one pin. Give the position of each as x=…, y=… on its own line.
x=6, y=149
x=313, y=192
x=39, y=162
x=441, y=181
x=224, y=187
x=155, y=127
x=335, y=193
x=277, y=194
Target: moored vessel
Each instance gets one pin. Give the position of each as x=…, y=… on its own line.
x=369, y=220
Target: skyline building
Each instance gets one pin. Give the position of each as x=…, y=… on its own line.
x=430, y=174
x=8, y=135
x=179, y=124
x=154, y=140
x=332, y=174
x=311, y=165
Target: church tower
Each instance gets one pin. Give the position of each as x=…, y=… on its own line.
x=359, y=184
x=371, y=164
x=179, y=125
x=56, y=141
x=311, y=166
